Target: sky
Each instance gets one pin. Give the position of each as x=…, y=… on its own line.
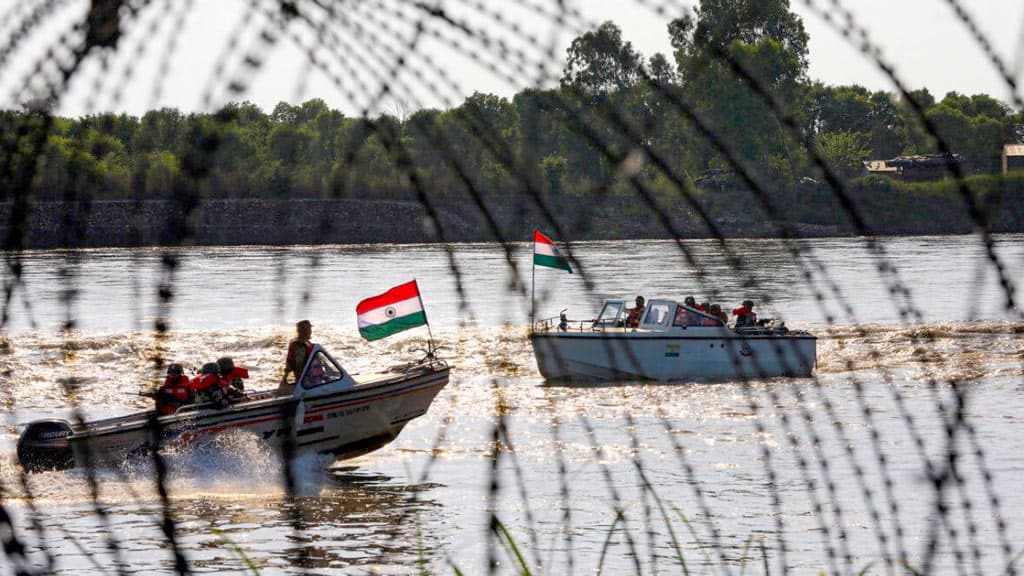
x=185, y=54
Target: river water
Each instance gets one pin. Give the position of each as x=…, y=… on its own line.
x=834, y=473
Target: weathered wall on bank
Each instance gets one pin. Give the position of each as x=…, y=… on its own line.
x=359, y=221
x=349, y=221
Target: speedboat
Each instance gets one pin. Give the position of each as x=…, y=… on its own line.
x=671, y=342
x=327, y=411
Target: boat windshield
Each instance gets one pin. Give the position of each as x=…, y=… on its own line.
x=322, y=370
x=686, y=316
x=611, y=314
x=657, y=313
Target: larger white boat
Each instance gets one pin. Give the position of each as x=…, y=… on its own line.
x=672, y=342
x=329, y=411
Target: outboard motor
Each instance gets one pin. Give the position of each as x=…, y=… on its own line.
x=45, y=445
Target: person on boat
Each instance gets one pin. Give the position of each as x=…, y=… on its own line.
x=231, y=377
x=745, y=315
x=680, y=317
x=299, y=351
x=205, y=387
x=635, y=313
x=713, y=317
x=717, y=312
x=175, y=391
x=692, y=318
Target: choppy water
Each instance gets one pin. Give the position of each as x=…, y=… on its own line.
x=825, y=474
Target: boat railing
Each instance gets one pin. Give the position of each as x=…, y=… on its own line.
x=769, y=327
x=248, y=397
x=562, y=324
x=429, y=363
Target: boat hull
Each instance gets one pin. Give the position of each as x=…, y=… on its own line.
x=707, y=354
x=345, y=423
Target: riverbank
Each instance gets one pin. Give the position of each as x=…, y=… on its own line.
x=808, y=214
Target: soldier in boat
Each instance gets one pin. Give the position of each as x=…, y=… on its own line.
x=299, y=350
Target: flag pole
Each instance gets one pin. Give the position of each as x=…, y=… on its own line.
x=533, y=283
x=430, y=333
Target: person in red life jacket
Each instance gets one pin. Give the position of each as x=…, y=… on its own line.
x=704, y=307
x=206, y=385
x=635, y=314
x=299, y=351
x=717, y=312
x=231, y=377
x=713, y=317
x=175, y=391
x=745, y=315
x=690, y=318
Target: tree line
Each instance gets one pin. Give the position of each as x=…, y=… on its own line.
x=735, y=91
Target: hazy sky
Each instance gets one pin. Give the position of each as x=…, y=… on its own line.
x=927, y=44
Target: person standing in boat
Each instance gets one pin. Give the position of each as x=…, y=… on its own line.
x=636, y=313
x=745, y=315
x=298, y=352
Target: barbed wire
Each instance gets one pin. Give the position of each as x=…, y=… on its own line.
x=382, y=41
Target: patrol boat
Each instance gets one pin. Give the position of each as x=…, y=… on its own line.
x=672, y=342
x=329, y=411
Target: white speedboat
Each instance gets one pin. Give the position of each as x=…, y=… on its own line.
x=329, y=411
x=672, y=342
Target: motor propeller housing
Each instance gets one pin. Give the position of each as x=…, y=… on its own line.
x=46, y=445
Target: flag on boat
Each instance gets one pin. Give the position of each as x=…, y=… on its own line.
x=545, y=253
x=396, y=310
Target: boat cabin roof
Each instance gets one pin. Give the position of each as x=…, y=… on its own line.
x=659, y=315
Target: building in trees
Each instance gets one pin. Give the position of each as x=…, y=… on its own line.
x=920, y=168
x=1013, y=157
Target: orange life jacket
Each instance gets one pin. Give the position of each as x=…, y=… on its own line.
x=202, y=382
x=634, y=316
x=177, y=387
x=745, y=316
x=237, y=373
x=706, y=321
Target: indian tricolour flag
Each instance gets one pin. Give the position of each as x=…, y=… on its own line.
x=393, y=311
x=545, y=253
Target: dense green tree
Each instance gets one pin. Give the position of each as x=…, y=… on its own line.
x=161, y=130
x=845, y=152
x=566, y=140
x=599, y=61
x=765, y=41
x=554, y=168
x=662, y=72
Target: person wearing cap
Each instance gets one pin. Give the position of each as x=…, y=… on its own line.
x=205, y=387
x=175, y=392
x=298, y=352
x=745, y=315
x=691, y=317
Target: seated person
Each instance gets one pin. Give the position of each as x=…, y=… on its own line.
x=717, y=312
x=712, y=319
x=175, y=391
x=680, y=317
x=206, y=386
x=636, y=313
x=692, y=318
x=231, y=377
